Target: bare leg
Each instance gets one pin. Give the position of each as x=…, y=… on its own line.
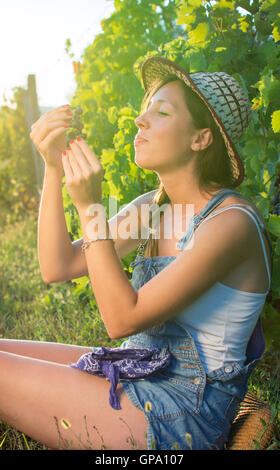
x=36, y=394
x=44, y=350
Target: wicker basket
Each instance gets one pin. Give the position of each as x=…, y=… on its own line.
x=253, y=427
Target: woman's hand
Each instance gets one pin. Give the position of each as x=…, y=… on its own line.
x=49, y=135
x=83, y=174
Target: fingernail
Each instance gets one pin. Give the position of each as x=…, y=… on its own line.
x=68, y=149
x=64, y=153
x=71, y=142
x=78, y=138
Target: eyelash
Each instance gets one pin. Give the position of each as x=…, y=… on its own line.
x=159, y=112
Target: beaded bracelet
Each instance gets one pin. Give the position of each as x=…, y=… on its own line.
x=85, y=245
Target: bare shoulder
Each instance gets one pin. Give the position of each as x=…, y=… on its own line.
x=233, y=225
x=243, y=222
x=239, y=200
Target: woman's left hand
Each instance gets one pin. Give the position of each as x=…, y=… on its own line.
x=83, y=174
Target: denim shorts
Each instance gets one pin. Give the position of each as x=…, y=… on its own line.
x=186, y=408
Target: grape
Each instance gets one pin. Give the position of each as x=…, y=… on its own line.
x=72, y=135
x=78, y=111
x=76, y=126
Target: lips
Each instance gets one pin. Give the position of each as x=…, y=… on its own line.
x=139, y=140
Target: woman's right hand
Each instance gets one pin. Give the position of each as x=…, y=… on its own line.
x=48, y=134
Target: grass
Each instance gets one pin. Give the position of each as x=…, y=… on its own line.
x=31, y=309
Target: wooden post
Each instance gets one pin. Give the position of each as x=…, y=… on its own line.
x=32, y=113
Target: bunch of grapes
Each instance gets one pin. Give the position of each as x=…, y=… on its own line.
x=76, y=126
x=276, y=199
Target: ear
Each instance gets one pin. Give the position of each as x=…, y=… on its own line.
x=202, y=139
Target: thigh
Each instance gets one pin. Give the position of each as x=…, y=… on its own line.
x=47, y=351
x=36, y=396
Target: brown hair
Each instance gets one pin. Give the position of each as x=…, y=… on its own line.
x=212, y=165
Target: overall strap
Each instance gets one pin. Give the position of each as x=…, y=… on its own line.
x=196, y=220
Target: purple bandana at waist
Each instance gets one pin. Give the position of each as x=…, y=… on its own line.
x=122, y=363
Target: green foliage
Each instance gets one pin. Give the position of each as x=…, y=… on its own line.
x=239, y=37
x=18, y=193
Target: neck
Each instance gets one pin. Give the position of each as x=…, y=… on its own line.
x=182, y=189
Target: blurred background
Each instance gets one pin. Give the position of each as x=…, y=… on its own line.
x=33, y=36
x=88, y=54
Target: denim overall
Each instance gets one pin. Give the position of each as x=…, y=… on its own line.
x=186, y=408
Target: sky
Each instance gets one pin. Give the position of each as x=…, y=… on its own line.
x=33, y=34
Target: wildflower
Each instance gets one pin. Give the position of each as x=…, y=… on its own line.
x=148, y=406
x=188, y=437
x=65, y=423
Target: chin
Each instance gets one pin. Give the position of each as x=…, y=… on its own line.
x=142, y=162
x=144, y=167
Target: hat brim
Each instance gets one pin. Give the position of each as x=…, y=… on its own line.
x=156, y=68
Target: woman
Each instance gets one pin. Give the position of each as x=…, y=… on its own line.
x=193, y=328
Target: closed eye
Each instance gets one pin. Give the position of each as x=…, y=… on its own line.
x=163, y=114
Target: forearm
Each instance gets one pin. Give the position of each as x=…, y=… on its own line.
x=54, y=244
x=113, y=292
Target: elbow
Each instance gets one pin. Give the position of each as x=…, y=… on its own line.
x=54, y=274
x=51, y=279
x=119, y=326
x=119, y=332
x=46, y=277
x=123, y=332
x=46, y=280
x=116, y=334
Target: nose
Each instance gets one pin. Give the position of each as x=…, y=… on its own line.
x=141, y=121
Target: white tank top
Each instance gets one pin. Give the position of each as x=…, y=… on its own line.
x=222, y=320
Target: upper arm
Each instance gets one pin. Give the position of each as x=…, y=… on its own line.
x=130, y=217
x=219, y=245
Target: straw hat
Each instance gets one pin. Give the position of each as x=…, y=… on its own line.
x=222, y=94
x=253, y=426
